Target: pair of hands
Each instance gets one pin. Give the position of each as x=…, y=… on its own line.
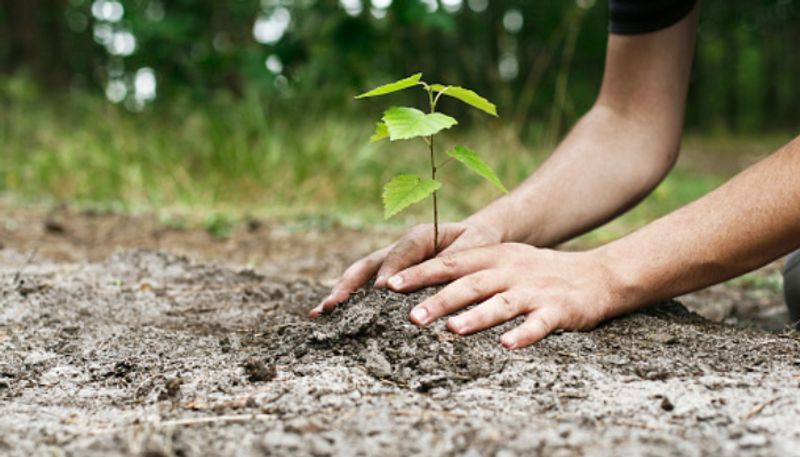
x=554, y=290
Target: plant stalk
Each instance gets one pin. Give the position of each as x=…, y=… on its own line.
x=432, y=102
x=435, y=208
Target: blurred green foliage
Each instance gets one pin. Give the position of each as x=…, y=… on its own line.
x=541, y=61
x=250, y=102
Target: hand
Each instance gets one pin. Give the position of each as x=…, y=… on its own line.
x=554, y=290
x=415, y=246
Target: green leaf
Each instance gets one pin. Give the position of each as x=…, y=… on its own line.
x=405, y=190
x=467, y=96
x=405, y=83
x=474, y=163
x=404, y=123
x=381, y=132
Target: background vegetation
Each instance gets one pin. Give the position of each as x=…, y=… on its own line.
x=246, y=105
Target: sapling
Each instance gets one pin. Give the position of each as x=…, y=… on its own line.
x=405, y=123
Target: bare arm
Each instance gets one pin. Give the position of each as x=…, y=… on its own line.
x=749, y=221
x=619, y=150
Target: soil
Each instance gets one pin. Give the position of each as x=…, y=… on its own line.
x=152, y=353
x=313, y=248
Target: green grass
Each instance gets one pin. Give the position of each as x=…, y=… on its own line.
x=251, y=156
x=228, y=161
x=771, y=283
x=679, y=188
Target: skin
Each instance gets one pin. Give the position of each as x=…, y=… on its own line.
x=595, y=174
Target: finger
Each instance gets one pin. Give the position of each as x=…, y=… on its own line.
x=498, y=309
x=414, y=247
x=538, y=325
x=443, y=268
x=354, y=277
x=463, y=292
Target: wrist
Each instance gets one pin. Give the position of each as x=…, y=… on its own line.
x=492, y=230
x=626, y=280
x=502, y=221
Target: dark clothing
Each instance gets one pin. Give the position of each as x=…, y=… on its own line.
x=630, y=17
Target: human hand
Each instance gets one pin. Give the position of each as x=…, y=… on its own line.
x=414, y=247
x=554, y=290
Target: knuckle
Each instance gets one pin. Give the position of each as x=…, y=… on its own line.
x=448, y=261
x=476, y=284
x=545, y=323
x=437, y=305
x=504, y=302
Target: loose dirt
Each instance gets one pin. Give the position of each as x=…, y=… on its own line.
x=311, y=248
x=149, y=353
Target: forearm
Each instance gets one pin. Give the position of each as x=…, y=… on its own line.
x=617, y=152
x=746, y=223
x=606, y=164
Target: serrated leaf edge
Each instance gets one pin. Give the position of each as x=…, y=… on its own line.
x=496, y=181
x=386, y=214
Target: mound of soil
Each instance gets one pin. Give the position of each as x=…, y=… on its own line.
x=148, y=353
x=372, y=330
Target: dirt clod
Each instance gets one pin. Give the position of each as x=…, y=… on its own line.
x=257, y=371
x=172, y=388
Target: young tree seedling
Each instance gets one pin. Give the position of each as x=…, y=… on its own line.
x=405, y=123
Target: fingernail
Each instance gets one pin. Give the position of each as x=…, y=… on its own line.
x=379, y=281
x=508, y=341
x=419, y=315
x=457, y=324
x=396, y=281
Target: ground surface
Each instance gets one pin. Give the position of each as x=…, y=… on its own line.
x=165, y=351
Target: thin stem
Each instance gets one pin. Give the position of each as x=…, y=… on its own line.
x=433, y=176
x=436, y=100
x=435, y=208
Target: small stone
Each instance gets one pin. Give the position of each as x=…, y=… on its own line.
x=667, y=405
x=377, y=365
